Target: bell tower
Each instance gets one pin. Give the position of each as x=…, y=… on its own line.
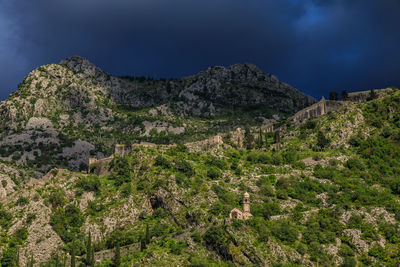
x=246, y=202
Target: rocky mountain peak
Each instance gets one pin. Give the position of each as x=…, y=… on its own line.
x=245, y=67
x=81, y=65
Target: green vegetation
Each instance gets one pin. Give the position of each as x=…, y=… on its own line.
x=317, y=191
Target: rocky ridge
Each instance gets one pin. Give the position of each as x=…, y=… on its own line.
x=63, y=113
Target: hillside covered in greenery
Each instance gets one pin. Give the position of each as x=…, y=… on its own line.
x=328, y=197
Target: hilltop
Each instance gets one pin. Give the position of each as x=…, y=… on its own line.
x=64, y=113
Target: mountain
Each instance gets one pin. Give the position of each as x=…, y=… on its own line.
x=64, y=113
x=325, y=192
x=182, y=175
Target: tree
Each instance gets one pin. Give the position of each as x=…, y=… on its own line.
x=89, y=250
x=267, y=135
x=277, y=137
x=117, y=256
x=32, y=261
x=142, y=244
x=260, y=139
x=147, y=236
x=249, y=138
x=9, y=256
x=372, y=95
x=92, y=261
x=322, y=141
x=345, y=95
x=17, y=259
x=333, y=96
x=73, y=264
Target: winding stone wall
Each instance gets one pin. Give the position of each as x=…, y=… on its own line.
x=317, y=110
x=363, y=95
x=123, y=150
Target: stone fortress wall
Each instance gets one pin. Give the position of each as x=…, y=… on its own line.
x=100, y=166
x=325, y=106
x=318, y=109
x=123, y=150
x=363, y=95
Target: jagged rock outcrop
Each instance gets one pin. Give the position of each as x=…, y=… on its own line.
x=217, y=87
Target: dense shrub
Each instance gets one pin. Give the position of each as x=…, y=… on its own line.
x=120, y=170
x=266, y=209
x=182, y=180
x=217, y=239
x=126, y=190
x=264, y=158
x=174, y=246
x=322, y=141
x=217, y=162
x=181, y=148
x=30, y=218
x=355, y=141
x=89, y=183
x=355, y=164
x=5, y=217
x=251, y=157
x=163, y=162
x=9, y=257
x=310, y=124
x=214, y=173
x=184, y=167
x=123, y=237
x=67, y=222
x=226, y=196
x=22, y=201
x=266, y=180
x=289, y=156
x=57, y=197
x=283, y=230
x=267, y=190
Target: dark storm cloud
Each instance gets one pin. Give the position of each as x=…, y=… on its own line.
x=314, y=45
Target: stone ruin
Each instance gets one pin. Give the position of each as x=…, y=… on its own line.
x=123, y=150
x=100, y=166
x=245, y=214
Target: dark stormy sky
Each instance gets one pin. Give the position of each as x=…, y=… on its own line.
x=315, y=45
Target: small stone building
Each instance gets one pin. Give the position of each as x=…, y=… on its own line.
x=245, y=214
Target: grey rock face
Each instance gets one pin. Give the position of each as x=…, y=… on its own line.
x=205, y=93
x=243, y=85
x=81, y=65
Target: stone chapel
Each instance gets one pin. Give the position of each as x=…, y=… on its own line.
x=245, y=214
